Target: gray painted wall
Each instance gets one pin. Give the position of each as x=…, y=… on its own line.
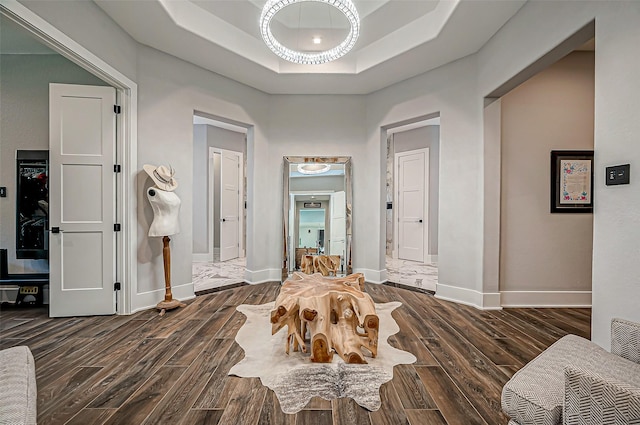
x=89, y=26
x=335, y=128
x=301, y=184
x=24, y=101
x=540, y=251
x=226, y=139
x=170, y=91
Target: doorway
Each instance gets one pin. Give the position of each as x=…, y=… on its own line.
x=552, y=110
x=412, y=203
x=219, y=199
x=311, y=229
x=30, y=253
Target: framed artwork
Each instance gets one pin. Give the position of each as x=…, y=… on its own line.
x=571, y=181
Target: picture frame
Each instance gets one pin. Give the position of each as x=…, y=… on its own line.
x=571, y=181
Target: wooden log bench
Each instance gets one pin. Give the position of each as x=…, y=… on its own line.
x=336, y=313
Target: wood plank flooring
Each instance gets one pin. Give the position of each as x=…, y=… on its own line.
x=147, y=369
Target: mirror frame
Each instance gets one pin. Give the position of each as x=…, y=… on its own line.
x=288, y=160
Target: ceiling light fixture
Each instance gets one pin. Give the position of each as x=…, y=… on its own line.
x=313, y=168
x=317, y=40
x=274, y=6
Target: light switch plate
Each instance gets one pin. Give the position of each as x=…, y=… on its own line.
x=617, y=174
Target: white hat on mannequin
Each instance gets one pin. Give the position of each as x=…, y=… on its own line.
x=162, y=176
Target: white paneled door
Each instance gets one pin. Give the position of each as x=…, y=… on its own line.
x=82, y=152
x=230, y=204
x=412, y=195
x=338, y=229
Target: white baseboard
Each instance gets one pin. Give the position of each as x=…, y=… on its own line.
x=373, y=276
x=546, y=298
x=202, y=258
x=147, y=300
x=262, y=276
x=482, y=301
x=491, y=301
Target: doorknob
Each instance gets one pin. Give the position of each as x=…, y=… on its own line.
x=420, y=221
x=55, y=230
x=224, y=219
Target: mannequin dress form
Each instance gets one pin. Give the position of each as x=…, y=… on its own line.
x=166, y=208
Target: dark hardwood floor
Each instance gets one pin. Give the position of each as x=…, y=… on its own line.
x=146, y=369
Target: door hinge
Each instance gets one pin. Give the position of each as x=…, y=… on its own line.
x=117, y=286
x=116, y=227
x=117, y=168
x=117, y=109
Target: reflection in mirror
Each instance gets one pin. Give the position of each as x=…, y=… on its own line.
x=311, y=229
x=32, y=205
x=316, y=211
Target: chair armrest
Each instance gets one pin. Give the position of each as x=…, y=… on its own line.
x=625, y=339
x=590, y=398
x=18, y=392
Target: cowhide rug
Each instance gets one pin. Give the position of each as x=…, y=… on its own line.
x=295, y=379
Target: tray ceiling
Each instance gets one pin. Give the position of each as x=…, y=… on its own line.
x=399, y=38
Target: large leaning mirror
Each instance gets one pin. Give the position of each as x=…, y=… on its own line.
x=317, y=211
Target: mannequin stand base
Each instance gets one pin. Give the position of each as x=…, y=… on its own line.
x=163, y=306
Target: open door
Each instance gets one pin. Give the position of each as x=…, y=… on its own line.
x=230, y=204
x=82, y=143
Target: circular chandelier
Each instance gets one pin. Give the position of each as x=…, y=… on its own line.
x=306, y=58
